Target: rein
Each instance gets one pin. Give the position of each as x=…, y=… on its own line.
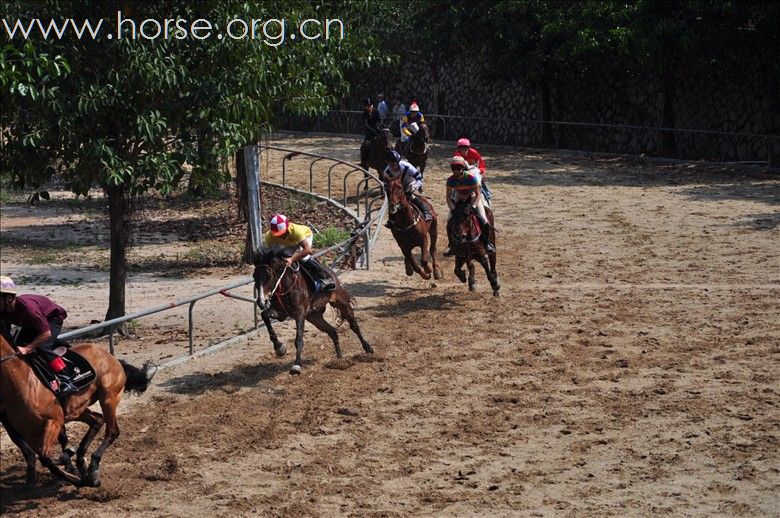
x=10, y=356
x=413, y=223
x=263, y=298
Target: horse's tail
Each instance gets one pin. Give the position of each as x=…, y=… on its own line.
x=345, y=305
x=138, y=379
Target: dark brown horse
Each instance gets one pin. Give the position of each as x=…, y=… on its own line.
x=465, y=236
x=284, y=291
x=378, y=149
x=416, y=149
x=410, y=230
x=35, y=419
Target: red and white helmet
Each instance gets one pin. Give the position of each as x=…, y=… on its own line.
x=414, y=107
x=279, y=224
x=464, y=142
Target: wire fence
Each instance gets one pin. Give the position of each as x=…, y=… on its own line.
x=629, y=139
x=323, y=182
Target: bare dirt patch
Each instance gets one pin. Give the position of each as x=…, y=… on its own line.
x=629, y=367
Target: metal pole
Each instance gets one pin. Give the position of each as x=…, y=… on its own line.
x=192, y=305
x=254, y=291
x=253, y=195
x=111, y=341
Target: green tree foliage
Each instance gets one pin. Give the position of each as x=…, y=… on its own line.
x=132, y=115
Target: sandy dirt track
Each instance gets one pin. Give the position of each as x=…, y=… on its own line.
x=629, y=367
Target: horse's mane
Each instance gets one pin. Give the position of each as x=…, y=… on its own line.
x=268, y=254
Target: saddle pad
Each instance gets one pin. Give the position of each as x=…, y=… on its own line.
x=77, y=369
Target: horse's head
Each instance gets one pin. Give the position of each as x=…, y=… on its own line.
x=269, y=266
x=395, y=195
x=425, y=132
x=386, y=140
x=462, y=227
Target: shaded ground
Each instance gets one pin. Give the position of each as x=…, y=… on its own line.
x=629, y=367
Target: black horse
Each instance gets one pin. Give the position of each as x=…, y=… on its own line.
x=415, y=150
x=287, y=291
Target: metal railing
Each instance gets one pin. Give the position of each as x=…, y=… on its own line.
x=590, y=136
x=363, y=230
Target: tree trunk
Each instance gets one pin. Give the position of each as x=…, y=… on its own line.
x=119, y=222
x=248, y=257
x=546, y=109
x=667, y=144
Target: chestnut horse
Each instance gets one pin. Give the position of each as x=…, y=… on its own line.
x=416, y=149
x=465, y=236
x=35, y=419
x=410, y=230
x=290, y=295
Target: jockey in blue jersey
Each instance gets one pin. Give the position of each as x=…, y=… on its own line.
x=411, y=180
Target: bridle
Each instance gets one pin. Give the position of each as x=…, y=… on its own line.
x=265, y=302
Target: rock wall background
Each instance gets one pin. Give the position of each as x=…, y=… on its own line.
x=749, y=102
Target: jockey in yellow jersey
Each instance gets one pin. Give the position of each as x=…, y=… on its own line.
x=298, y=239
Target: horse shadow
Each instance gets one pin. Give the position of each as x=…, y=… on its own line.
x=401, y=307
x=369, y=289
x=247, y=376
x=18, y=497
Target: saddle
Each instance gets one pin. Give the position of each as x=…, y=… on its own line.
x=77, y=375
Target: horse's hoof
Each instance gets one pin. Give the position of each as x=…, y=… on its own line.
x=368, y=349
x=93, y=479
x=495, y=293
x=461, y=275
x=296, y=369
x=426, y=276
x=280, y=351
x=437, y=275
x=472, y=288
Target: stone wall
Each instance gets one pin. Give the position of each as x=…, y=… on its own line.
x=749, y=103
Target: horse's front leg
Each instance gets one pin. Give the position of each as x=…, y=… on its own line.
x=300, y=322
x=412, y=266
x=459, y=273
x=472, y=276
x=425, y=256
x=433, y=233
x=27, y=452
x=492, y=275
x=279, y=347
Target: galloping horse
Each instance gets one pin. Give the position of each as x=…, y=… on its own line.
x=410, y=230
x=35, y=419
x=465, y=235
x=378, y=149
x=290, y=295
x=416, y=149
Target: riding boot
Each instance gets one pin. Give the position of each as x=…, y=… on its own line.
x=426, y=214
x=364, y=155
x=66, y=386
x=320, y=274
x=486, y=237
